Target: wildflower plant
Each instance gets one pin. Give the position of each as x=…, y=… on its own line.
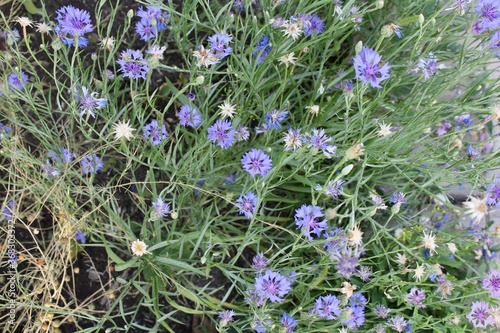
x=268, y=166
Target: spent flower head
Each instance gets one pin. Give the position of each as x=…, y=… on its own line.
x=139, y=248
x=123, y=130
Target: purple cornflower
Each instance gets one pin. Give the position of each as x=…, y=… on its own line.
x=260, y=326
x=219, y=45
x=480, y=314
x=313, y=25
x=318, y=140
x=381, y=311
x=274, y=118
x=160, y=208
x=153, y=20
x=271, y=285
x=489, y=13
x=242, y=133
x=332, y=188
x=154, y=133
x=49, y=170
x=339, y=240
x=17, y=81
x=397, y=198
x=61, y=154
x=397, y=323
x=191, y=96
x=327, y=307
x=429, y=66
x=492, y=283
x=88, y=101
x=289, y=323
x=464, y=120
x=366, y=65
x=230, y=179
x=189, y=116
x=416, y=296
x=4, y=131
x=227, y=315
x=358, y=300
x=8, y=210
x=473, y=153
x=247, y=204
x=347, y=261
x=80, y=236
x=91, y=164
x=364, y=273
x=73, y=22
x=493, y=193
x=355, y=317
x=308, y=218
x=259, y=262
x=256, y=162
x=443, y=128
x=133, y=64
x=262, y=49
x=221, y=132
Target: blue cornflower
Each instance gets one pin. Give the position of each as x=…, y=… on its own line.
x=230, y=179
x=221, y=132
x=247, y=204
x=160, y=209
x=397, y=198
x=262, y=49
x=353, y=317
x=429, y=66
x=443, y=128
x=274, y=118
x=8, y=210
x=271, y=285
x=381, y=311
x=155, y=133
x=73, y=22
x=146, y=30
x=318, y=140
x=327, y=307
x=358, y=300
x=489, y=13
x=219, y=45
x=153, y=16
x=17, y=81
x=261, y=325
x=189, y=116
x=4, y=131
x=80, y=236
x=256, y=162
x=289, y=323
x=473, y=153
x=91, y=164
x=397, y=323
x=133, y=64
x=88, y=101
x=366, y=65
x=308, y=218
x=346, y=260
x=338, y=242
x=495, y=41
x=50, y=170
x=313, y=25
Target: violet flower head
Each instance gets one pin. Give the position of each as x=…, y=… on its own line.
x=480, y=314
x=132, y=64
x=366, y=65
x=398, y=198
x=88, y=101
x=319, y=140
x=247, y=204
x=346, y=261
x=327, y=307
x=416, y=296
x=221, y=133
x=443, y=128
x=227, y=315
x=332, y=188
x=271, y=285
x=80, y=236
x=309, y=219
x=155, y=133
x=17, y=81
x=152, y=21
x=189, y=116
x=355, y=317
x=91, y=164
x=288, y=322
x=160, y=208
x=381, y=311
x=493, y=193
x=256, y=162
x=8, y=210
x=73, y=23
x=262, y=49
x=429, y=66
x=489, y=13
x=219, y=45
x=338, y=242
x=397, y=323
x=492, y=283
x=313, y=25
x=259, y=262
x=61, y=155
x=4, y=131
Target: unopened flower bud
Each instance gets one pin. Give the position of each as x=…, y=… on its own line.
x=347, y=169
x=200, y=79
x=421, y=19
x=130, y=14
x=358, y=47
x=174, y=215
x=379, y=4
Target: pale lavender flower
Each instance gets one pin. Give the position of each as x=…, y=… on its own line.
x=221, y=132
x=397, y=323
x=155, y=133
x=319, y=140
x=271, y=285
x=91, y=164
x=219, y=45
x=133, y=64
x=259, y=262
x=17, y=81
x=397, y=198
x=288, y=322
x=366, y=65
x=332, y=188
x=416, y=296
x=327, y=307
x=381, y=311
x=189, y=116
x=256, y=162
x=247, y=204
x=88, y=101
x=309, y=219
x=160, y=208
x=80, y=236
x=492, y=283
x=227, y=315
x=480, y=314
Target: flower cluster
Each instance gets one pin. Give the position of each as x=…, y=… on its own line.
x=72, y=24
x=152, y=21
x=133, y=65
x=218, y=49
